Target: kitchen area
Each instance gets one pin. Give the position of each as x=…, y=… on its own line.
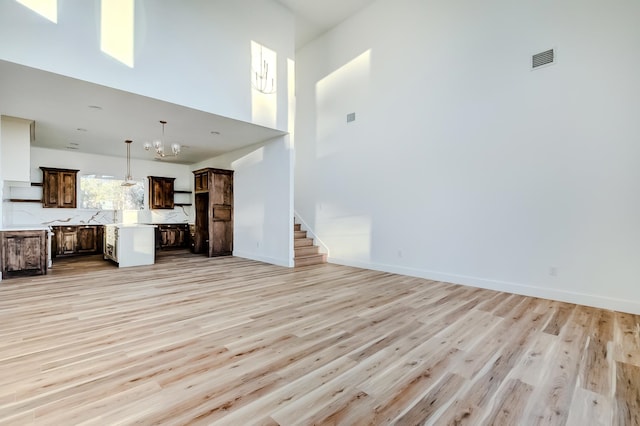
x=134, y=237
x=88, y=210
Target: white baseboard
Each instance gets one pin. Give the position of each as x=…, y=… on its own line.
x=266, y=259
x=597, y=301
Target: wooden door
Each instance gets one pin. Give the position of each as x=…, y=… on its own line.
x=201, y=181
x=23, y=253
x=67, y=240
x=33, y=248
x=50, y=188
x=161, y=192
x=67, y=190
x=12, y=258
x=201, y=231
x=221, y=231
x=87, y=239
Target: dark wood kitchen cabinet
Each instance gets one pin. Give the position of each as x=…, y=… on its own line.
x=161, y=192
x=77, y=240
x=89, y=239
x=59, y=188
x=201, y=180
x=65, y=241
x=213, y=199
x=171, y=236
x=23, y=253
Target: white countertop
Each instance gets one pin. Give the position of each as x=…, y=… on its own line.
x=131, y=225
x=25, y=228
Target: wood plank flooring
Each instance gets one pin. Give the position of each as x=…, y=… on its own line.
x=193, y=340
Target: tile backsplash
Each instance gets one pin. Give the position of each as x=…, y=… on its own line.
x=34, y=214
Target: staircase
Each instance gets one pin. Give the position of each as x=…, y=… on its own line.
x=305, y=252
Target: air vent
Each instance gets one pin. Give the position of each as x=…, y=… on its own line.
x=547, y=57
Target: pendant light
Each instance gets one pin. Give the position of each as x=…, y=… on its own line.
x=128, y=180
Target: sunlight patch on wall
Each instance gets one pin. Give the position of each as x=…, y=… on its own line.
x=45, y=8
x=348, y=235
x=249, y=160
x=343, y=91
x=291, y=93
x=117, y=29
x=264, y=80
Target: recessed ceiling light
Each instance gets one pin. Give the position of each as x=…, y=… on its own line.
x=74, y=144
x=80, y=129
x=72, y=147
x=215, y=132
x=95, y=107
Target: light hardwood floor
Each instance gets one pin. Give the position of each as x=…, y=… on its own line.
x=193, y=340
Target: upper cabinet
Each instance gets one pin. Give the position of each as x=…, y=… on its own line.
x=201, y=178
x=59, y=188
x=161, y=192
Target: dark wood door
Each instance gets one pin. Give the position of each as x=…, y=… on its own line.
x=33, y=252
x=221, y=208
x=23, y=253
x=50, y=188
x=67, y=188
x=201, y=231
x=201, y=181
x=67, y=240
x=87, y=239
x=161, y=192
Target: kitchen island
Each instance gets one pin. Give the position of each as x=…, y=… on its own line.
x=129, y=244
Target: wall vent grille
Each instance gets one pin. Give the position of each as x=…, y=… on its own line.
x=543, y=58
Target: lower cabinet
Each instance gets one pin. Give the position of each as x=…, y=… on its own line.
x=23, y=253
x=77, y=240
x=170, y=236
x=89, y=240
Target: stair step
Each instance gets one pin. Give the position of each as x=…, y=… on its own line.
x=299, y=234
x=306, y=251
x=296, y=227
x=302, y=242
x=314, y=259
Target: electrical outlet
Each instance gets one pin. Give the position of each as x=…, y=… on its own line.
x=351, y=117
x=553, y=271
x=399, y=253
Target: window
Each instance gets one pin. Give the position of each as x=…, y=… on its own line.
x=107, y=193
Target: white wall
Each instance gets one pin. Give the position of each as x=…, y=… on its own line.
x=464, y=165
x=195, y=53
x=35, y=214
x=263, y=200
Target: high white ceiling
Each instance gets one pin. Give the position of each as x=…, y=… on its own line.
x=66, y=118
x=314, y=17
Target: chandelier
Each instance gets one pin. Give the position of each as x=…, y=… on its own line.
x=158, y=146
x=263, y=79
